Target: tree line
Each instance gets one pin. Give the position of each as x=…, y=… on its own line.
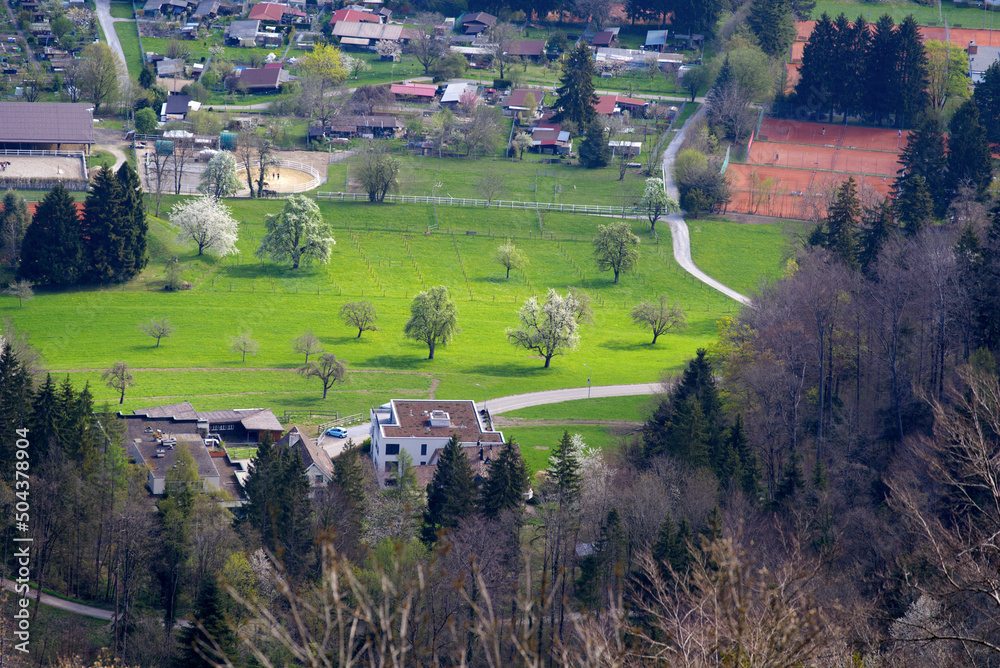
x=104, y=244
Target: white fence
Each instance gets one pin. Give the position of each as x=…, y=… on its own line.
x=499, y=204
x=301, y=187
x=60, y=154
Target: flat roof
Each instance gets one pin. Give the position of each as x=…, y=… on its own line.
x=411, y=419
x=419, y=90
x=46, y=123
x=145, y=443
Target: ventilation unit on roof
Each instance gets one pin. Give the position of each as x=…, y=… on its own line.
x=440, y=419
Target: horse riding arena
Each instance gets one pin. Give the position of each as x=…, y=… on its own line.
x=793, y=167
x=23, y=165
x=284, y=177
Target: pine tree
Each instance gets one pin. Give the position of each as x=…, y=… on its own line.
x=595, y=152
x=879, y=225
x=14, y=221
x=842, y=221
x=293, y=511
x=842, y=83
x=46, y=418
x=924, y=156
x=576, y=99
x=914, y=206
x=969, y=159
x=882, y=82
x=855, y=63
x=452, y=492
x=771, y=22
x=564, y=469
x=987, y=97
x=15, y=405
x=819, y=65
x=688, y=437
x=749, y=470
x=506, y=484
x=349, y=474
x=134, y=220
x=914, y=75
x=105, y=238
x=211, y=633
x=51, y=252
x=260, y=489
x=663, y=433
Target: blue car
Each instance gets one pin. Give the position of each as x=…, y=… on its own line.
x=337, y=432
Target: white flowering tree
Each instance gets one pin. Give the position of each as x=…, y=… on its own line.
x=207, y=223
x=386, y=48
x=655, y=201
x=219, y=178
x=297, y=233
x=548, y=327
x=354, y=65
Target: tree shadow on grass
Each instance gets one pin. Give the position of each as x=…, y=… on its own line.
x=400, y=362
x=510, y=370
x=626, y=346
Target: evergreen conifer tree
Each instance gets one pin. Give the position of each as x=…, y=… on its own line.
x=749, y=469
x=260, y=490
x=506, y=484
x=791, y=481
x=452, y=492
x=133, y=220
x=349, y=474
x=818, y=66
x=879, y=225
x=51, y=251
x=46, y=418
x=15, y=406
x=855, y=63
x=882, y=80
x=575, y=96
x=842, y=222
x=594, y=149
x=211, y=634
x=924, y=156
x=294, y=512
x=914, y=206
x=564, y=469
x=969, y=159
x=987, y=97
x=663, y=432
x=14, y=221
x=914, y=73
x=771, y=22
x=106, y=250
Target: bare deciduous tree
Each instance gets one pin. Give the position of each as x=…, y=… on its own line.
x=119, y=377
x=244, y=344
x=158, y=328
x=328, y=370
x=378, y=171
x=307, y=344
x=491, y=185
x=661, y=316
x=21, y=289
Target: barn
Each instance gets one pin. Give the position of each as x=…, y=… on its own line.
x=46, y=126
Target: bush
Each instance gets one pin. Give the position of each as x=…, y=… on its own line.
x=501, y=84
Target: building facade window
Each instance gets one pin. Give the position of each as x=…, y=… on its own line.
x=423, y=449
x=391, y=449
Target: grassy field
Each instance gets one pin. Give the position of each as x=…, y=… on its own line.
x=631, y=409
x=740, y=255
x=527, y=180
x=957, y=15
x=375, y=259
x=538, y=443
x=122, y=10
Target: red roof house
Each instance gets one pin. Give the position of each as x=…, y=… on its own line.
x=354, y=16
x=608, y=104
x=421, y=91
x=272, y=12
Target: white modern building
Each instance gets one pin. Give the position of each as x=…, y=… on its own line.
x=423, y=427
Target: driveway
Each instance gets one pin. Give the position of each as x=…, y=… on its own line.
x=103, y=8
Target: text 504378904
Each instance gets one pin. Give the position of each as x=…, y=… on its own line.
x=22, y=554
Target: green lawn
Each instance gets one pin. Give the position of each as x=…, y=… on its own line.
x=957, y=15
x=98, y=158
x=525, y=180
x=129, y=38
x=740, y=255
x=538, y=443
x=377, y=260
x=122, y=10
x=630, y=409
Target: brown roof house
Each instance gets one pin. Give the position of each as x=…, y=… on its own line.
x=528, y=48
x=51, y=126
x=422, y=428
x=516, y=102
x=317, y=466
x=473, y=24
x=261, y=79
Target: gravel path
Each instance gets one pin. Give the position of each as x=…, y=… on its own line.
x=103, y=8
x=678, y=228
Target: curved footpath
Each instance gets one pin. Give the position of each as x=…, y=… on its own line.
x=69, y=606
x=678, y=228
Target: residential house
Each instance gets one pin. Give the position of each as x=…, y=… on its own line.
x=354, y=16
x=365, y=34
x=177, y=106
x=479, y=22
x=549, y=138
x=170, y=67
x=243, y=33
x=422, y=428
x=317, y=466
x=414, y=92
x=605, y=38
x=616, y=104
x=261, y=79
x=639, y=59
x=274, y=14
x=980, y=59
x=531, y=49
x=206, y=10
x=516, y=102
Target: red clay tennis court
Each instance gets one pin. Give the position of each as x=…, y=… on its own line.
x=790, y=193
x=825, y=134
x=827, y=158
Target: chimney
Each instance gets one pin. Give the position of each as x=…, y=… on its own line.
x=973, y=48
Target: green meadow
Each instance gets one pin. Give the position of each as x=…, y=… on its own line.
x=385, y=254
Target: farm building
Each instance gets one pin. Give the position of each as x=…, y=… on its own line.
x=548, y=137
x=242, y=33
x=353, y=16
x=261, y=79
x=364, y=34
x=528, y=48
x=52, y=126
x=605, y=38
x=272, y=13
x=237, y=426
x=616, y=104
x=422, y=428
x=639, y=59
x=358, y=126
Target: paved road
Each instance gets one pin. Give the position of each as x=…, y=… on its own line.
x=108, y=26
x=69, y=606
x=678, y=228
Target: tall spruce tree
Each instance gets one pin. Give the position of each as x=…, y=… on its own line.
x=819, y=66
x=882, y=81
x=969, y=158
x=46, y=418
x=594, y=149
x=506, y=484
x=987, y=97
x=451, y=493
x=676, y=427
x=842, y=222
x=15, y=407
x=14, y=221
x=842, y=83
x=210, y=635
x=576, y=98
x=914, y=73
x=855, y=63
x=293, y=528
x=771, y=22
x=133, y=220
x=878, y=225
x=924, y=156
x=564, y=469
x=914, y=206
x=106, y=250
x=671, y=547
x=51, y=252
x=261, y=490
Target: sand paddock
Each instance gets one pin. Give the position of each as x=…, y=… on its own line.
x=48, y=166
x=281, y=179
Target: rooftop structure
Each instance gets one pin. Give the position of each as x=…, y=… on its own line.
x=473, y=24
x=425, y=91
x=613, y=104
x=529, y=48
x=353, y=16
x=273, y=12
x=43, y=124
